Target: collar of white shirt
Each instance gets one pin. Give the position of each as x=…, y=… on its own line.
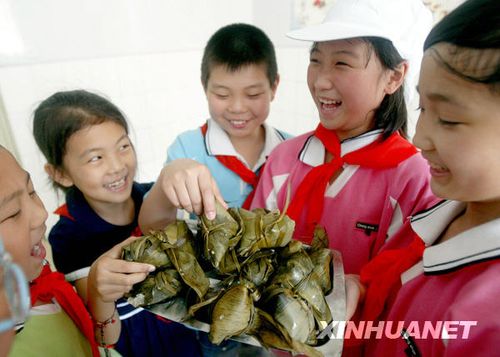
x=217, y=142
x=313, y=152
x=476, y=244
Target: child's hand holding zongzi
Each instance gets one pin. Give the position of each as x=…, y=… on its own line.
x=110, y=277
x=108, y=280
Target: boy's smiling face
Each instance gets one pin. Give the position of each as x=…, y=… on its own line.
x=22, y=217
x=239, y=101
x=458, y=129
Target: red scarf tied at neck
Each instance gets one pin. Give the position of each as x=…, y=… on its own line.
x=50, y=285
x=235, y=165
x=382, y=275
x=310, y=195
x=382, y=278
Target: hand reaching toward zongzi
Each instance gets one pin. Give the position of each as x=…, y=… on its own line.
x=182, y=184
x=109, y=279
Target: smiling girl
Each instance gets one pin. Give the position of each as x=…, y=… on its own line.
x=58, y=324
x=448, y=276
x=84, y=138
x=356, y=174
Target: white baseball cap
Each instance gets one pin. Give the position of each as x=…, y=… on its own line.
x=405, y=23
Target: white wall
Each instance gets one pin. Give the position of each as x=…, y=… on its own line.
x=145, y=57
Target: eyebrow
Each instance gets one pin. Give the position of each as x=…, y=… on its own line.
x=88, y=151
x=346, y=52
x=439, y=97
x=337, y=52
x=15, y=194
x=257, y=85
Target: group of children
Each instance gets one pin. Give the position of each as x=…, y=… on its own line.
x=418, y=229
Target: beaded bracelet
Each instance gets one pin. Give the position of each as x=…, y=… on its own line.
x=110, y=320
x=101, y=325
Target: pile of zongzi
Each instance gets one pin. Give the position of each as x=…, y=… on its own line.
x=270, y=286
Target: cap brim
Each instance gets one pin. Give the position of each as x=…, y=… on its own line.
x=335, y=31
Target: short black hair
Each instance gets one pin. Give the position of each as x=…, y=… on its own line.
x=474, y=30
x=63, y=114
x=237, y=45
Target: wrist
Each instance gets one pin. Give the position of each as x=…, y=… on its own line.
x=101, y=326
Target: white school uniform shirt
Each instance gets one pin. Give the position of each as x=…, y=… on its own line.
x=193, y=145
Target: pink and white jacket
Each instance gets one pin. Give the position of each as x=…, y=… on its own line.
x=363, y=207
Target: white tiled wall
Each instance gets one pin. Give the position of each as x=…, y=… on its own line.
x=161, y=95
x=158, y=90
x=144, y=58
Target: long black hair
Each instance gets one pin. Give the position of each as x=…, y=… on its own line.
x=391, y=115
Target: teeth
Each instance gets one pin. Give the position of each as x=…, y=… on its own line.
x=437, y=167
x=35, y=251
x=324, y=101
x=116, y=183
x=237, y=122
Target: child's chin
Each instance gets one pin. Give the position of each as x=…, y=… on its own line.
x=328, y=123
x=35, y=272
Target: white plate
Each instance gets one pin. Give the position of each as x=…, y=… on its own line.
x=177, y=311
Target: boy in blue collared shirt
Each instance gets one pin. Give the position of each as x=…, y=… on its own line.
x=239, y=75
x=205, y=149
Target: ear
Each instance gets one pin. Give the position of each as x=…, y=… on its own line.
x=274, y=87
x=396, y=77
x=58, y=175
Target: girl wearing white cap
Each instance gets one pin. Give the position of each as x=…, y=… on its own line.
x=356, y=174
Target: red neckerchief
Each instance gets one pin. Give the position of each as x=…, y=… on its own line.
x=310, y=194
x=50, y=285
x=382, y=275
x=63, y=211
x=239, y=168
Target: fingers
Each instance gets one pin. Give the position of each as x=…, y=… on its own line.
x=171, y=193
x=189, y=185
x=354, y=293
x=180, y=184
x=208, y=195
x=218, y=194
x=108, y=267
x=195, y=185
x=116, y=251
x=119, y=286
x=126, y=267
x=112, y=278
x=183, y=191
x=122, y=281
